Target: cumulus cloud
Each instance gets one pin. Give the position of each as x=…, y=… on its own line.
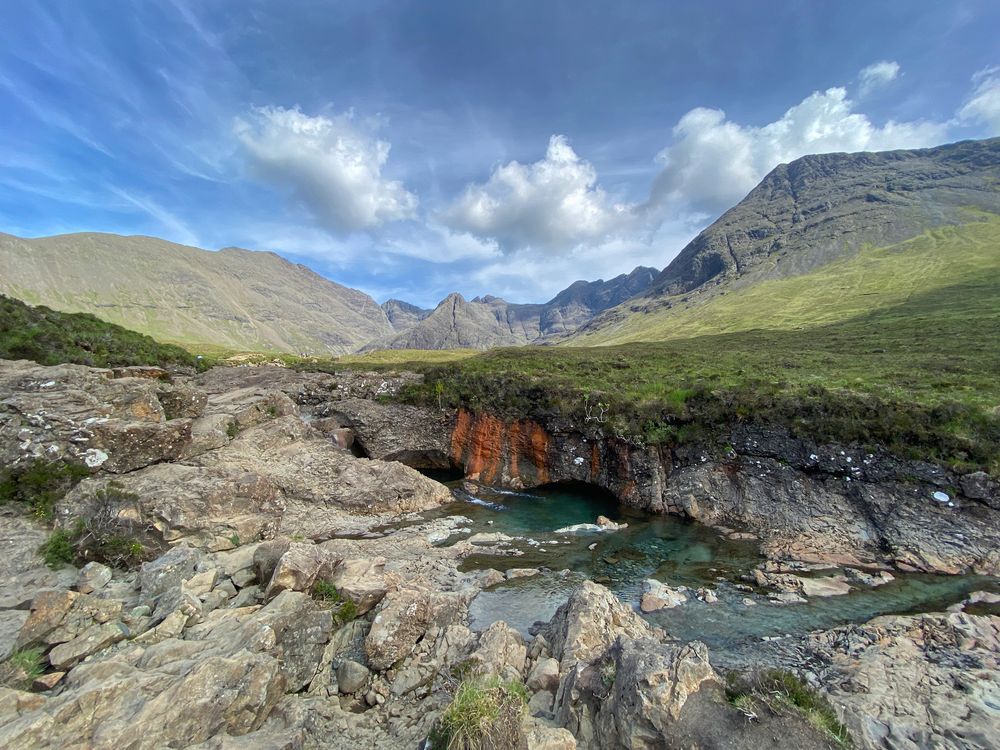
x=332, y=164
x=876, y=75
x=552, y=204
x=714, y=162
x=984, y=104
x=436, y=244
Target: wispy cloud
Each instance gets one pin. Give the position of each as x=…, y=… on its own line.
x=171, y=226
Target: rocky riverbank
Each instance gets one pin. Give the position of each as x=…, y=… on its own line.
x=831, y=504
x=291, y=596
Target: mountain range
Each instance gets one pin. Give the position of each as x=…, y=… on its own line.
x=794, y=241
x=237, y=299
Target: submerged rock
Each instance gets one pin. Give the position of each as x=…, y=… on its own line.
x=657, y=596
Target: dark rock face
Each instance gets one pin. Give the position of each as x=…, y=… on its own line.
x=402, y=315
x=818, y=208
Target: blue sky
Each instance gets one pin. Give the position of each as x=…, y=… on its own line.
x=415, y=148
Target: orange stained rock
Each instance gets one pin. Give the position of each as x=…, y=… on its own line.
x=484, y=444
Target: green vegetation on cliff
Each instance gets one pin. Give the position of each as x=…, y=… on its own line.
x=915, y=372
x=51, y=338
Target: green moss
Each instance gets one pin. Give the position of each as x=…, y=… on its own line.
x=485, y=713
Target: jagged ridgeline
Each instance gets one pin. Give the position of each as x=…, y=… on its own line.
x=50, y=338
x=802, y=248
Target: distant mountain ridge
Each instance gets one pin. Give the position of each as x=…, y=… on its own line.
x=487, y=322
x=236, y=299
x=805, y=216
x=819, y=208
x=230, y=299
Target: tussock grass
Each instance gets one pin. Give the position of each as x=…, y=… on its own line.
x=918, y=377
x=781, y=690
x=485, y=714
x=22, y=668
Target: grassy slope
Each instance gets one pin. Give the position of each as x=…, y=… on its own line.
x=51, y=338
x=899, y=346
x=415, y=358
x=876, y=278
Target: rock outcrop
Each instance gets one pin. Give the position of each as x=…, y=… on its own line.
x=913, y=682
x=281, y=608
x=799, y=499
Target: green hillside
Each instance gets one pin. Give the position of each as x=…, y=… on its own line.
x=50, y=338
x=899, y=346
x=874, y=279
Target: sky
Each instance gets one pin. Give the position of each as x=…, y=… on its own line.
x=412, y=149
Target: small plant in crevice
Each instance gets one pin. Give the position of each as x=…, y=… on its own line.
x=58, y=549
x=484, y=714
x=40, y=484
x=232, y=430
x=609, y=670
x=109, y=530
x=343, y=610
x=22, y=668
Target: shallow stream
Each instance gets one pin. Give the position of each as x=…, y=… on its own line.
x=669, y=549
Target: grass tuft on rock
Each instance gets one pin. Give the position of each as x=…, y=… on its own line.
x=39, y=484
x=22, y=668
x=344, y=610
x=485, y=714
x=779, y=689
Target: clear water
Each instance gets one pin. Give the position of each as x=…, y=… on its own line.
x=668, y=549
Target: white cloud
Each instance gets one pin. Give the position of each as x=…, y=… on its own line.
x=551, y=205
x=525, y=276
x=876, y=75
x=332, y=164
x=440, y=245
x=984, y=105
x=715, y=162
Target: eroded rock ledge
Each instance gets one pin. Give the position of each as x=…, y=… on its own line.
x=818, y=503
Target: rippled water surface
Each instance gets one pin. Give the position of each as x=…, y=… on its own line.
x=668, y=549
